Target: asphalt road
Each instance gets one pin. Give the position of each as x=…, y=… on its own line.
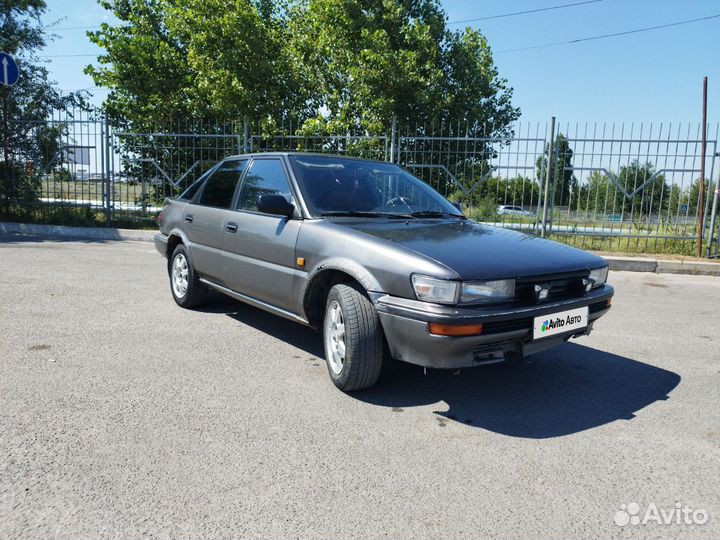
x=124, y=416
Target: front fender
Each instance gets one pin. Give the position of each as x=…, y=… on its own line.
x=347, y=266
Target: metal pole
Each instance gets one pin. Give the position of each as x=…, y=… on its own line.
x=246, y=134
x=393, y=135
x=8, y=182
x=701, y=198
x=103, y=178
x=548, y=167
x=713, y=218
x=108, y=215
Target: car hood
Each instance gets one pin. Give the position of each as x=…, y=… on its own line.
x=476, y=251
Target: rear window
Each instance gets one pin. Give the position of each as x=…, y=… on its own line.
x=220, y=187
x=190, y=192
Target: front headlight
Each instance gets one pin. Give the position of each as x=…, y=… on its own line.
x=487, y=291
x=435, y=290
x=598, y=276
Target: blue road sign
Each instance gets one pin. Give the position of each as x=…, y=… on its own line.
x=9, y=72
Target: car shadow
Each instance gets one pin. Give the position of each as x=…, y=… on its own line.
x=555, y=393
x=295, y=334
x=559, y=392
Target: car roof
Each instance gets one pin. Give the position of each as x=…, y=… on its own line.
x=310, y=154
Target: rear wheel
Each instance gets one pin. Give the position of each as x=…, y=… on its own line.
x=353, y=338
x=184, y=282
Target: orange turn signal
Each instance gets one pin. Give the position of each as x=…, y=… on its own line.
x=455, y=329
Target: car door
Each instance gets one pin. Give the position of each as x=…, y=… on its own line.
x=260, y=248
x=204, y=220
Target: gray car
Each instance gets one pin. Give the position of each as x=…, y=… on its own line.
x=378, y=261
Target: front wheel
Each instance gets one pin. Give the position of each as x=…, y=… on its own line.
x=353, y=338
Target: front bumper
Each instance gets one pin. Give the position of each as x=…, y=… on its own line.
x=507, y=329
x=161, y=242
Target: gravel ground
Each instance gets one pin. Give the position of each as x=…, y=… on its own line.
x=124, y=416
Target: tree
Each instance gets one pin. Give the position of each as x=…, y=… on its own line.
x=602, y=195
x=562, y=178
x=517, y=191
x=31, y=101
x=373, y=59
x=326, y=68
x=331, y=66
x=692, y=198
x=652, y=199
x=207, y=59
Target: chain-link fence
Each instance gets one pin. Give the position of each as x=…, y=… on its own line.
x=617, y=187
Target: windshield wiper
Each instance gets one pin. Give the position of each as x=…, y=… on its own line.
x=434, y=214
x=357, y=213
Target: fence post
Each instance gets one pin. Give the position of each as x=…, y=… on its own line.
x=246, y=132
x=701, y=195
x=713, y=218
x=393, y=135
x=106, y=173
x=548, y=167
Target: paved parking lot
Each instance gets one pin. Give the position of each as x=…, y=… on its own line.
x=124, y=416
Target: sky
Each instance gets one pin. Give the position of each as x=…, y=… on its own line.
x=644, y=77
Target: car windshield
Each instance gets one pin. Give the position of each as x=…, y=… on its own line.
x=339, y=186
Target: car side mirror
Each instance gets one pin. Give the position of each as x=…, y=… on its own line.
x=458, y=206
x=275, y=204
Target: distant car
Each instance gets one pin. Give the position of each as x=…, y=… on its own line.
x=507, y=210
x=378, y=261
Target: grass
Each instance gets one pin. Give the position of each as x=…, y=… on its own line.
x=90, y=191
x=633, y=246
x=561, y=219
x=90, y=217
x=75, y=217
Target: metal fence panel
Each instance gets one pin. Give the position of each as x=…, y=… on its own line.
x=610, y=186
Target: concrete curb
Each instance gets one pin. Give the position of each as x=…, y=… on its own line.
x=627, y=264
x=80, y=233
x=659, y=266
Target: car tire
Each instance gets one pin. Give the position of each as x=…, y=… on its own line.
x=353, y=338
x=185, y=284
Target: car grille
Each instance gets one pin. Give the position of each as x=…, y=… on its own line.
x=498, y=327
x=512, y=325
x=497, y=346
x=599, y=306
x=561, y=286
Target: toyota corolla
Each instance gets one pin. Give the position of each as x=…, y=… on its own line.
x=376, y=260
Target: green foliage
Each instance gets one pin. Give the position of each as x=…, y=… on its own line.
x=201, y=58
x=61, y=175
x=329, y=66
x=32, y=99
x=561, y=173
x=692, y=196
x=621, y=244
x=496, y=191
x=602, y=194
x=372, y=59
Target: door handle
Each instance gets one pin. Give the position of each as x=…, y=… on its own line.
x=188, y=219
x=231, y=227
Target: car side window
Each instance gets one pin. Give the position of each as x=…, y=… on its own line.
x=220, y=187
x=265, y=176
x=190, y=192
